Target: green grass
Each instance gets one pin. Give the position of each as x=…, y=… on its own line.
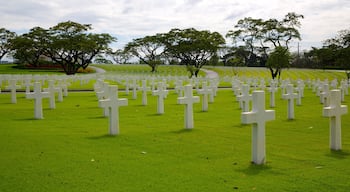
x=293, y=74
x=70, y=150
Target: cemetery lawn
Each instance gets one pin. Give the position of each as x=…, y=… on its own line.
x=70, y=150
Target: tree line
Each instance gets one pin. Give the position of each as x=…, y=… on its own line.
x=255, y=42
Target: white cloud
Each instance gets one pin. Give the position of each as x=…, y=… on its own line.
x=128, y=19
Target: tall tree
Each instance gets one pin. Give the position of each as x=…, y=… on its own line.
x=29, y=47
x=148, y=49
x=120, y=56
x=262, y=36
x=72, y=47
x=192, y=47
x=6, y=37
x=278, y=59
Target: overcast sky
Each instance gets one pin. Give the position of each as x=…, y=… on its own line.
x=128, y=19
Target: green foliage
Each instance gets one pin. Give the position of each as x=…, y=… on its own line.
x=148, y=49
x=67, y=44
x=6, y=37
x=70, y=150
x=31, y=47
x=192, y=48
x=259, y=36
x=278, y=59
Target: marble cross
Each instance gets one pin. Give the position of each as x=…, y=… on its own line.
x=258, y=117
x=244, y=98
x=113, y=103
x=38, y=96
x=162, y=94
x=205, y=91
x=52, y=90
x=334, y=111
x=290, y=96
x=13, y=87
x=188, y=100
x=144, y=90
x=273, y=89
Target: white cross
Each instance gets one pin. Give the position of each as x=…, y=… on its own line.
x=273, y=89
x=113, y=104
x=52, y=90
x=28, y=83
x=13, y=86
x=205, y=91
x=161, y=93
x=103, y=92
x=38, y=96
x=324, y=95
x=244, y=98
x=334, y=112
x=144, y=90
x=290, y=96
x=188, y=100
x=258, y=117
x=134, y=89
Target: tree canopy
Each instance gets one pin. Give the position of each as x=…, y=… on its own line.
x=6, y=37
x=148, y=49
x=68, y=44
x=192, y=48
x=262, y=36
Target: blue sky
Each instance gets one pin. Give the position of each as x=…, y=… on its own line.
x=128, y=19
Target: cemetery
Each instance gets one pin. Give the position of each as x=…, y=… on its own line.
x=129, y=130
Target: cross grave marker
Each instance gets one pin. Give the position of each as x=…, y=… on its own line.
x=334, y=112
x=113, y=103
x=188, y=100
x=258, y=117
x=38, y=96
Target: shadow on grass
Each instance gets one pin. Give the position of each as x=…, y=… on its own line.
x=98, y=117
x=338, y=154
x=183, y=131
x=254, y=169
x=155, y=115
x=29, y=119
x=106, y=136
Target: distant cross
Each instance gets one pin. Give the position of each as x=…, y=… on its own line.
x=52, y=90
x=324, y=95
x=258, y=117
x=13, y=87
x=127, y=87
x=161, y=93
x=179, y=88
x=134, y=89
x=273, y=89
x=188, y=100
x=205, y=91
x=290, y=96
x=144, y=90
x=244, y=98
x=113, y=103
x=28, y=83
x=103, y=92
x=334, y=111
x=38, y=96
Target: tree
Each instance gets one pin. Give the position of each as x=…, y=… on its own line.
x=72, y=47
x=278, y=59
x=6, y=37
x=192, y=47
x=30, y=47
x=148, y=49
x=261, y=36
x=120, y=56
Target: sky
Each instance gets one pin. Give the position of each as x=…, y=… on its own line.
x=129, y=19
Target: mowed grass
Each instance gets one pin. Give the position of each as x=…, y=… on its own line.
x=70, y=149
